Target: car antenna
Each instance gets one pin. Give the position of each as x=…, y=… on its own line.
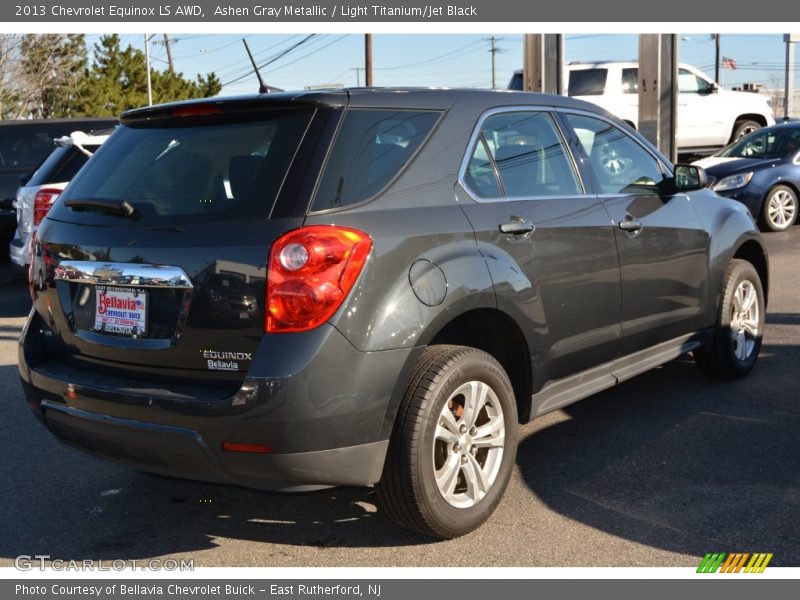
x=263, y=88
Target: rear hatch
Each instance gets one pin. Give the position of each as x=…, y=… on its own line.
x=156, y=253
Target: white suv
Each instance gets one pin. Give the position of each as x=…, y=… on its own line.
x=708, y=116
x=37, y=194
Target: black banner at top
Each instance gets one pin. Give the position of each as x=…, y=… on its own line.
x=400, y=11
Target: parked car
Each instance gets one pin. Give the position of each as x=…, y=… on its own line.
x=709, y=117
x=36, y=196
x=23, y=146
x=441, y=265
x=762, y=171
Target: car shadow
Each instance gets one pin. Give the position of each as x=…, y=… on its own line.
x=15, y=300
x=59, y=501
x=678, y=461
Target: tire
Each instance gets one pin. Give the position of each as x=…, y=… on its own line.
x=423, y=444
x=744, y=127
x=736, y=339
x=779, y=209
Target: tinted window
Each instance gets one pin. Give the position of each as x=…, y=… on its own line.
x=61, y=166
x=587, y=82
x=622, y=166
x=516, y=82
x=765, y=143
x=371, y=147
x=630, y=81
x=23, y=146
x=527, y=153
x=192, y=173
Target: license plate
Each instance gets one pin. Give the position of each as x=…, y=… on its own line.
x=120, y=310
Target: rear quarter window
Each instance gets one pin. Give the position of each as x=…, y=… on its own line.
x=587, y=82
x=371, y=148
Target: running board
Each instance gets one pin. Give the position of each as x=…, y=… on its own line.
x=562, y=392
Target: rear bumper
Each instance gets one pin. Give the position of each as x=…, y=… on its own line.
x=324, y=408
x=183, y=452
x=18, y=250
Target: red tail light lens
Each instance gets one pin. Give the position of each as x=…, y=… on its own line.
x=42, y=202
x=310, y=272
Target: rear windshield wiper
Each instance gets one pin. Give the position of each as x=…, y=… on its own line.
x=123, y=208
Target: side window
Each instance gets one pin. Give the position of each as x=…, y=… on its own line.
x=587, y=82
x=621, y=165
x=630, y=81
x=372, y=146
x=689, y=83
x=526, y=151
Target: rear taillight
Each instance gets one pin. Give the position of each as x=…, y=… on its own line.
x=310, y=272
x=42, y=202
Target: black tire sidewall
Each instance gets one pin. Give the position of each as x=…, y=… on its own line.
x=740, y=125
x=474, y=366
x=738, y=271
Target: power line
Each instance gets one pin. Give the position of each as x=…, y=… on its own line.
x=278, y=57
x=471, y=47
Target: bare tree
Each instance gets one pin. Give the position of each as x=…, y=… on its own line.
x=13, y=82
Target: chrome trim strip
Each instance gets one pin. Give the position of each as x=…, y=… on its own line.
x=122, y=274
x=474, y=138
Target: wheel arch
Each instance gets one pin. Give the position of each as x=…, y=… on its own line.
x=499, y=335
x=757, y=117
x=753, y=252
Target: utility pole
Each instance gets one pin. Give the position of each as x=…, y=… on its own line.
x=147, y=65
x=716, y=58
x=169, y=54
x=493, y=50
x=368, y=59
x=791, y=39
x=358, y=75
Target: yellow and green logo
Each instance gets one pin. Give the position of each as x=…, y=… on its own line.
x=721, y=562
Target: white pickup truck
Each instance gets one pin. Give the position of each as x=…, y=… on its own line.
x=708, y=116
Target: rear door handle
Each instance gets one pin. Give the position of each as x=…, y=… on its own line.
x=630, y=225
x=517, y=226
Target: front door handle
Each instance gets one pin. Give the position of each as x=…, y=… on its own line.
x=517, y=226
x=630, y=225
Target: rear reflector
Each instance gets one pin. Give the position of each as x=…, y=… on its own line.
x=248, y=448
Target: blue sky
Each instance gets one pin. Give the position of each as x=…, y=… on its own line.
x=434, y=59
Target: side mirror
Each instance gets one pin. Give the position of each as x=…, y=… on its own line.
x=689, y=177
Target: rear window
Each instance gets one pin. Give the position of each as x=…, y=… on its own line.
x=516, y=82
x=372, y=146
x=587, y=82
x=193, y=173
x=61, y=166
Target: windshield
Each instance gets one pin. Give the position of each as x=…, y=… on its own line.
x=195, y=173
x=765, y=143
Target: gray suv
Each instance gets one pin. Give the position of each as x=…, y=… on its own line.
x=373, y=287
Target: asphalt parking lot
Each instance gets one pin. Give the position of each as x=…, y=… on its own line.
x=656, y=472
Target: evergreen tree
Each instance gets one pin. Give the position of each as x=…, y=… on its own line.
x=117, y=81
